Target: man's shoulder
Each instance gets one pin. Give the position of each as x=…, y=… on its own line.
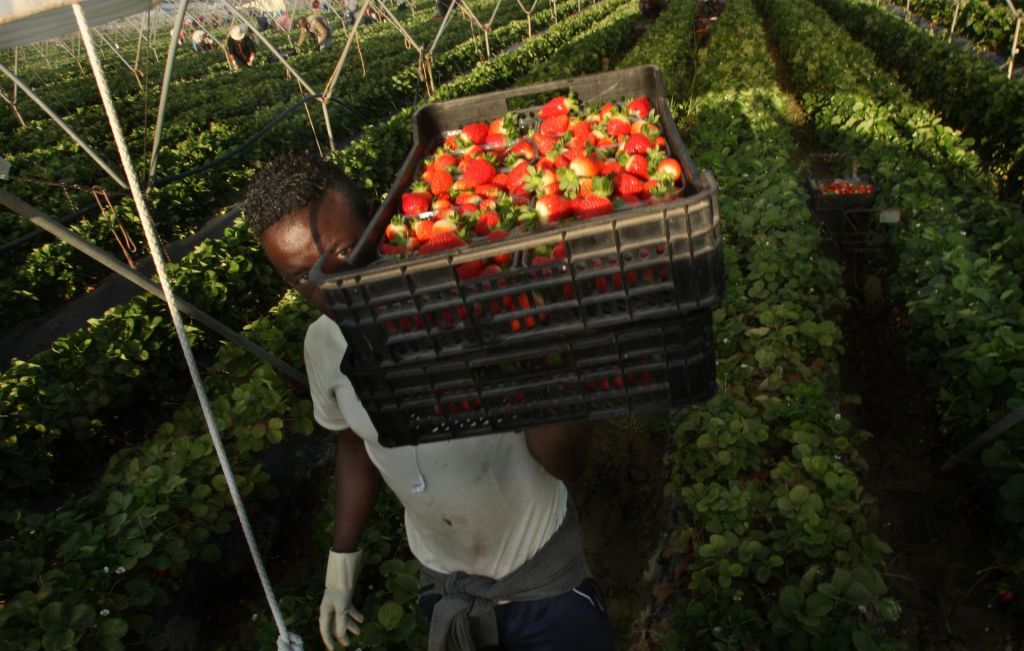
x=324, y=332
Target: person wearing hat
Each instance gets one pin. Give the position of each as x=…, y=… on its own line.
x=241, y=52
x=318, y=26
x=201, y=41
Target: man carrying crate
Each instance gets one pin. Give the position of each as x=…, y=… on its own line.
x=488, y=517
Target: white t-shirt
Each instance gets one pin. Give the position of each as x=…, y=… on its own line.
x=488, y=504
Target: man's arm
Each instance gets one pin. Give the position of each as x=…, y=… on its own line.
x=561, y=449
x=356, y=485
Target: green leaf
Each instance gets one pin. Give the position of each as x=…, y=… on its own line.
x=818, y=605
x=82, y=617
x=59, y=640
x=51, y=619
x=790, y=600
x=112, y=629
x=863, y=642
x=389, y=615
x=799, y=494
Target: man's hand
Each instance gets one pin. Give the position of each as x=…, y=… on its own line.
x=337, y=616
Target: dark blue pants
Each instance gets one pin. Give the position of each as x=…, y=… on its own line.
x=572, y=621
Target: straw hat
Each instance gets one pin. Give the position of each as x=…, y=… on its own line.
x=238, y=32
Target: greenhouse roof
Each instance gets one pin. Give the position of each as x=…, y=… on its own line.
x=27, y=21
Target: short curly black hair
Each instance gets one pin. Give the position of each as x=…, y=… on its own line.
x=292, y=181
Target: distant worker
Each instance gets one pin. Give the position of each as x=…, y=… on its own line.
x=202, y=41
x=241, y=52
x=317, y=26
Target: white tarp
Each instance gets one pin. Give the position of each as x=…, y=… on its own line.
x=27, y=21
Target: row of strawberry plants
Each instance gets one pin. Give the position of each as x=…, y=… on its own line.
x=69, y=403
x=51, y=272
x=37, y=430
x=158, y=503
x=964, y=305
x=776, y=549
x=989, y=24
x=670, y=44
x=950, y=79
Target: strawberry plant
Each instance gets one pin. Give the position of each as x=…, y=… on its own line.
x=958, y=272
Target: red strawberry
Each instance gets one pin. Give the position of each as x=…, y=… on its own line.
x=523, y=149
x=470, y=269
x=441, y=242
x=442, y=226
x=670, y=169
x=467, y=198
x=580, y=129
x=516, y=176
x=618, y=127
x=555, y=125
x=444, y=161
x=440, y=182
x=628, y=185
x=585, y=166
x=396, y=229
x=414, y=203
x=422, y=228
x=606, y=109
x=391, y=249
x=475, y=132
x=478, y=171
x=637, y=144
x=545, y=143
x=610, y=166
x=639, y=107
x=559, y=252
x=495, y=141
x=592, y=206
x=636, y=165
x=498, y=234
x=486, y=222
x=552, y=208
x=557, y=106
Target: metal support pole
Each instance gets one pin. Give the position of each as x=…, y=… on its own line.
x=64, y=125
x=1015, y=48
x=172, y=49
x=444, y=24
x=138, y=45
x=55, y=228
x=956, y=15
x=14, y=107
x=329, y=88
x=284, y=637
x=117, y=53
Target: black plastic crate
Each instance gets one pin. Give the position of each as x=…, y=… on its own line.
x=634, y=369
x=647, y=262
x=837, y=202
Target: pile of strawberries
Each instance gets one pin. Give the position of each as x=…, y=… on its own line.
x=843, y=188
x=491, y=178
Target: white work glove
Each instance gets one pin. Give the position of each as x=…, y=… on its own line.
x=337, y=616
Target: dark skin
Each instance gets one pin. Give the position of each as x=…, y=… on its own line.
x=293, y=245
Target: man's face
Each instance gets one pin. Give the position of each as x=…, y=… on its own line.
x=295, y=243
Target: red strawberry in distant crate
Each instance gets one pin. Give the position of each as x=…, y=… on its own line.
x=552, y=208
x=475, y=133
x=639, y=107
x=561, y=105
x=417, y=201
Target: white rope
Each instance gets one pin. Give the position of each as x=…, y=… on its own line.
x=286, y=641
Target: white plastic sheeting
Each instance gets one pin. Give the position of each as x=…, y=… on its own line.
x=27, y=21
